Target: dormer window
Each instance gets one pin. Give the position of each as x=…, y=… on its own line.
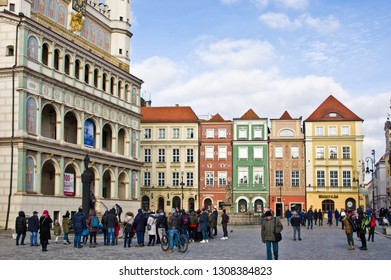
x=333, y=115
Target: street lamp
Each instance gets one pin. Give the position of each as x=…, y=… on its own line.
x=367, y=170
x=280, y=184
x=358, y=186
x=182, y=184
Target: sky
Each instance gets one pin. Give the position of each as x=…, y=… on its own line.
x=227, y=56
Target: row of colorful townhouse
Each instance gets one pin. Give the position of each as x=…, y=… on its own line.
x=247, y=165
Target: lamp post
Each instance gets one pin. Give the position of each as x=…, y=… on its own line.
x=367, y=170
x=182, y=184
x=357, y=179
x=280, y=184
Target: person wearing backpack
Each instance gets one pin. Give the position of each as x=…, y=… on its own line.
x=372, y=225
x=93, y=226
x=193, y=225
x=185, y=224
x=151, y=228
x=161, y=225
x=361, y=228
x=128, y=228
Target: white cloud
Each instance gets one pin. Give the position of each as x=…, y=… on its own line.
x=295, y=4
x=236, y=53
x=282, y=21
x=322, y=25
x=279, y=21
x=261, y=4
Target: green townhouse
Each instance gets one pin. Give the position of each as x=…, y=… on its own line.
x=250, y=164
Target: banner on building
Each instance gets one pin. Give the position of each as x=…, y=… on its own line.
x=69, y=184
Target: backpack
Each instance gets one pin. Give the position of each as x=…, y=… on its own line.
x=353, y=224
x=185, y=220
x=226, y=220
x=94, y=222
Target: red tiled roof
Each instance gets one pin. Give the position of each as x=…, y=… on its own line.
x=174, y=114
x=332, y=106
x=250, y=115
x=286, y=116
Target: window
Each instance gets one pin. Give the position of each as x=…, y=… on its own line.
x=175, y=179
x=147, y=133
x=161, y=155
x=10, y=51
x=160, y=179
x=295, y=178
x=67, y=62
x=294, y=152
x=334, y=178
x=242, y=133
x=286, y=133
x=243, y=153
x=175, y=155
x=258, y=153
x=209, y=178
x=147, y=178
x=222, y=152
x=320, y=178
x=278, y=151
x=346, y=152
x=210, y=133
x=222, y=178
x=222, y=133
x=320, y=152
x=189, y=179
x=345, y=130
x=45, y=59
x=209, y=152
x=319, y=131
x=258, y=175
x=96, y=77
x=346, y=179
x=332, y=130
x=147, y=155
x=162, y=133
x=87, y=73
x=104, y=81
x=12, y=7
x=257, y=133
x=279, y=178
x=190, y=133
x=243, y=175
x=190, y=155
x=175, y=133
x=333, y=152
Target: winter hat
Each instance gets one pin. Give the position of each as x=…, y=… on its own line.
x=35, y=212
x=45, y=213
x=343, y=213
x=268, y=214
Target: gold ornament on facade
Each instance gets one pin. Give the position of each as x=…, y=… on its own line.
x=77, y=22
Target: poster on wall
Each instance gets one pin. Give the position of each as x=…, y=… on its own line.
x=89, y=133
x=69, y=184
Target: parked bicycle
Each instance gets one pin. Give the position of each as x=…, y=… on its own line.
x=180, y=241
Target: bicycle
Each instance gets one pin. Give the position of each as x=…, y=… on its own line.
x=180, y=241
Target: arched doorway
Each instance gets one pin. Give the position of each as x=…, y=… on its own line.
x=242, y=206
x=48, y=178
x=106, y=184
x=160, y=204
x=207, y=203
x=328, y=204
x=176, y=202
x=191, y=204
x=258, y=206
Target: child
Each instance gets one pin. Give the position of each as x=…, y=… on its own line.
x=57, y=230
x=85, y=235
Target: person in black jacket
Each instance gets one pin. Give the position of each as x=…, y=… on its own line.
x=111, y=222
x=79, y=224
x=45, y=225
x=140, y=222
x=296, y=224
x=33, y=227
x=20, y=227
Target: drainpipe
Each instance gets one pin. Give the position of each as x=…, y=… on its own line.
x=21, y=15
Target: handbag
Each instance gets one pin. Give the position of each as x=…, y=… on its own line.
x=149, y=227
x=277, y=235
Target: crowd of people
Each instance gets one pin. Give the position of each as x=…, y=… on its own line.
x=197, y=226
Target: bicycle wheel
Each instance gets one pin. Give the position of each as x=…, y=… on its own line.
x=183, y=244
x=165, y=242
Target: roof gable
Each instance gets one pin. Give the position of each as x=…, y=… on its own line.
x=250, y=115
x=286, y=116
x=332, y=110
x=216, y=118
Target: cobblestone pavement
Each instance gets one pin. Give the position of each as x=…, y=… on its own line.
x=244, y=243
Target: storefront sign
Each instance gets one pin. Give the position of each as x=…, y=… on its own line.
x=328, y=196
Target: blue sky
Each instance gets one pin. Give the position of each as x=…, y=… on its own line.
x=226, y=56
